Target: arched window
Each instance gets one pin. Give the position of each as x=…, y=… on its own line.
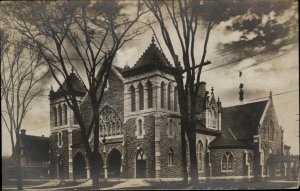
x=170, y=157
x=59, y=139
x=162, y=95
x=170, y=128
x=132, y=94
x=169, y=96
x=175, y=98
x=200, y=153
x=66, y=114
x=227, y=162
x=141, y=96
x=140, y=127
x=271, y=131
x=55, y=116
x=110, y=122
x=60, y=114
x=150, y=94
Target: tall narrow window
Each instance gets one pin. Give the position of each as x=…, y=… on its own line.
x=66, y=114
x=175, y=98
x=162, y=94
x=132, y=94
x=171, y=157
x=141, y=96
x=140, y=127
x=60, y=114
x=59, y=141
x=169, y=96
x=271, y=131
x=150, y=94
x=171, y=127
x=227, y=162
x=55, y=116
x=200, y=156
x=250, y=161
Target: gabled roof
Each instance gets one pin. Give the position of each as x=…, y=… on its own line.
x=78, y=87
x=152, y=58
x=244, y=119
x=35, y=147
x=239, y=124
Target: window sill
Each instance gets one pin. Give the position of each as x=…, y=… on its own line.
x=226, y=170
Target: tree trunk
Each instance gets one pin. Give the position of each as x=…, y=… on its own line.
x=18, y=169
x=193, y=157
x=183, y=155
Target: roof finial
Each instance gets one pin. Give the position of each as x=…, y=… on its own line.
x=270, y=96
x=212, y=90
x=153, y=40
x=72, y=70
x=51, y=87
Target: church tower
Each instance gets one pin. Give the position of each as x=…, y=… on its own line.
x=62, y=124
x=150, y=104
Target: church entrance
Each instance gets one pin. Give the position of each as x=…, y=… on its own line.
x=114, y=164
x=79, y=171
x=141, y=165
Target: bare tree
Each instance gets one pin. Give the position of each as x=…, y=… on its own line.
x=183, y=17
x=21, y=74
x=92, y=32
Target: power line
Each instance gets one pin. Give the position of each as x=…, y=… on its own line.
x=282, y=93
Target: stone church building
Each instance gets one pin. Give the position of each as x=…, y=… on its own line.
x=140, y=139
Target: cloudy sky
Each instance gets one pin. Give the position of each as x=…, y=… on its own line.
x=265, y=69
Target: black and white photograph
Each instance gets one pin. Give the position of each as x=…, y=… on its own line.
x=149, y=95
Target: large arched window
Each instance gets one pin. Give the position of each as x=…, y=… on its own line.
x=150, y=94
x=60, y=114
x=141, y=96
x=66, y=114
x=169, y=96
x=170, y=157
x=162, y=95
x=55, y=116
x=200, y=153
x=132, y=94
x=110, y=122
x=175, y=98
x=227, y=162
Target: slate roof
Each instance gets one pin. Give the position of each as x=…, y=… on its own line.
x=239, y=124
x=151, y=59
x=35, y=147
x=78, y=87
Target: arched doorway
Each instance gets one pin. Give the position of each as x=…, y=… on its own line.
x=114, y=164
x=141, y=165
x=79, y=164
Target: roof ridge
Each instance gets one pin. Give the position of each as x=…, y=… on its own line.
x=246, y=104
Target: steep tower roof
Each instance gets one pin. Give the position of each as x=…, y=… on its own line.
x=151, y=59
x=78, y=87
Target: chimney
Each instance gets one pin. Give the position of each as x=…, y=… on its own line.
x=23, y=132
x=241, y=93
